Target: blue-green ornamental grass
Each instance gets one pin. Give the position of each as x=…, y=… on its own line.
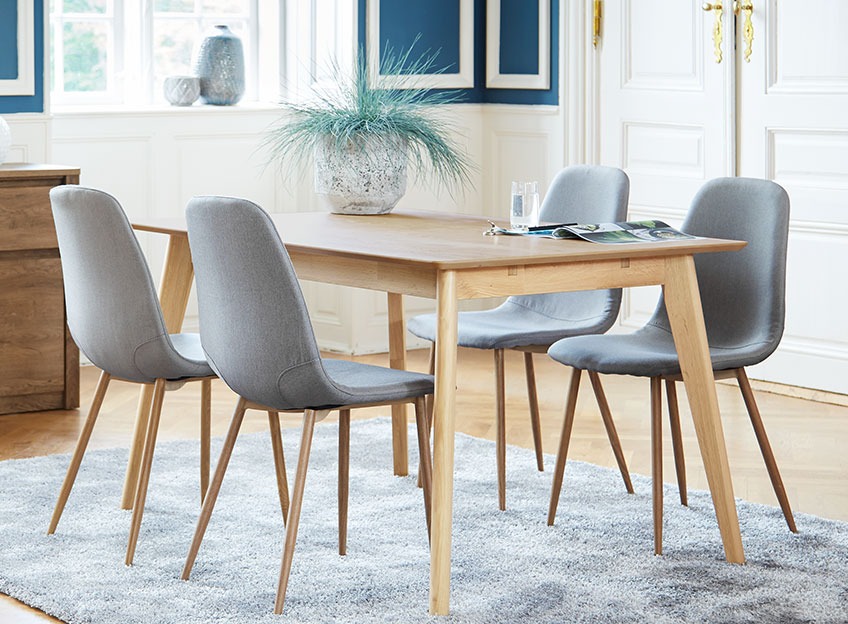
x=355, y=112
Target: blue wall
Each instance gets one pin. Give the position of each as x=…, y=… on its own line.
x=9, y=65
x=436, y=22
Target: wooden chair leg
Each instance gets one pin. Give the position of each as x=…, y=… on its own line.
x=500, y=421
x=205, y=434
x=656, y=460
x=279, y=462
x=344, y=476
x=676, y=440
x=533, y=399
x=562, y=453
x=612, y=434
x=79, y=451
x=765, y=448
x=214, y=487
x=146, y=465
x=431, y=368
x=423, y=428
x=309, y=418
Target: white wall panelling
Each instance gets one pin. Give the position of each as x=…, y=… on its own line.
x=154, y=161
x=30, y=137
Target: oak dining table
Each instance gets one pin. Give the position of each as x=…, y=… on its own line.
x=448, y=258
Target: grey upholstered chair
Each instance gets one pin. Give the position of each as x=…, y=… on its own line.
x=531, y=323
x=256, y=334
x=115, y=318
x=742, y=295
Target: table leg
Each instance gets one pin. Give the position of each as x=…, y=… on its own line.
x=683, y=302
x=173, y=297
x=443, y=444
x=397, y=359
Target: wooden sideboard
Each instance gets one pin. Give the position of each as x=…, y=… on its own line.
x=39, y=362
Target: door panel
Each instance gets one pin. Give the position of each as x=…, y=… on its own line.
x=793, y=129
x=664, y=111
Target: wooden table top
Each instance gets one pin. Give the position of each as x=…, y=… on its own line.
x=440, y=240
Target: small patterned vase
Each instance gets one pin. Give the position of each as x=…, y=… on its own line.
x=220, y=67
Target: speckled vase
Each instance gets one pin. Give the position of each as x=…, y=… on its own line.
x=220, y=68
x=365, y=178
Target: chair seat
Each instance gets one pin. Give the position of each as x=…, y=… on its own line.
x=509, y=325
x=347, y=383
x=363, y=383
x=648, y=352
x=156, y=359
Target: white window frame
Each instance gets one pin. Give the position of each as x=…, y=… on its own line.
x=130, y=78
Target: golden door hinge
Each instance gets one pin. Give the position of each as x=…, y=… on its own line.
x=597, y=12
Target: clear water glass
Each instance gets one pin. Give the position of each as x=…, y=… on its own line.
x=517, y=219
x=531, y=203
x=524, y=205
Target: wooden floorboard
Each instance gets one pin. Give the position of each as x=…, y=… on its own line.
x=808, y=437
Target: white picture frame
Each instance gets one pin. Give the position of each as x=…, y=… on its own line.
x=494, y=78
x=463, y=78
x=24, y=84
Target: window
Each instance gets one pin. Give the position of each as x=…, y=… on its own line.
x=120, y=51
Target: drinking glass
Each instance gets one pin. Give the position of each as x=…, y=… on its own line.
x=531, y=203
x=517, y=217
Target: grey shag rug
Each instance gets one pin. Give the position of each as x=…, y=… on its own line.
x=595, y=565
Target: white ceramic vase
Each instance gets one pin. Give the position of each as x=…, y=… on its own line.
x=5, y=140
x=181, y=90
x=365, y=178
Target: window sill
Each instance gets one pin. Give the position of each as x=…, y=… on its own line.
x=86, y=110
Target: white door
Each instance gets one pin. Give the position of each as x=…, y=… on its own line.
x=665, y=111
x=673, y=118
x=793, y=129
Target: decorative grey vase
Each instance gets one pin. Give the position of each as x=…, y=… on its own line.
x=364, y=178
x=220, y=68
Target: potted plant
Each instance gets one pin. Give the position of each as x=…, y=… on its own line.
x=363, y=138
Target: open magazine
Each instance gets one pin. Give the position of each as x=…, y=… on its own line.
x=609, y=233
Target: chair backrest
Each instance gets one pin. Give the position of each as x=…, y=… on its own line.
x=254, y=324
x=583, y=194
x=110, y=298
x=742, y=293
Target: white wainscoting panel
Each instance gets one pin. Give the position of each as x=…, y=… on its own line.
x=154, y=161
x=30, y=138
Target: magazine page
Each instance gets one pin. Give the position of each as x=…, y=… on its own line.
x=625, y=232
x=606, y=233
x=559, y=230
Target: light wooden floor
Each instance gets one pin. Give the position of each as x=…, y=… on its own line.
x=809, y=438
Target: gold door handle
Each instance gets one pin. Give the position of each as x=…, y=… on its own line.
x=748, y=28
x=718, y=9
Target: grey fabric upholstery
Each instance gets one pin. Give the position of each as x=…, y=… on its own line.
x=113, y=311
x=255, y=327
x=742, y=293
x=578, y=194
